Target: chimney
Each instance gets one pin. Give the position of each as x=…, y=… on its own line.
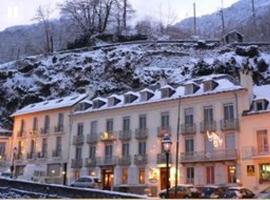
x=162, y=81
x=90, y=92
x=246, y=81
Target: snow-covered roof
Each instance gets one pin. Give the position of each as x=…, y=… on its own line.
x=50, y=104
x=225, y=83
x=2, y=130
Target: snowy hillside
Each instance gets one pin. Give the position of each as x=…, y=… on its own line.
x=236, y=17
x=117, y=68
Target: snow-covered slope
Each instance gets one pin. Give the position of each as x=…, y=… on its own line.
x=117, y=68
x=236, y=16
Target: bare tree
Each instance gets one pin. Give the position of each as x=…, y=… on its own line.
x=43, y=15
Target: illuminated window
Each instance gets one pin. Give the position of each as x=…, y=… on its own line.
x=124, y=175
x=232, y=174
x=265, y=172
x=141, y=176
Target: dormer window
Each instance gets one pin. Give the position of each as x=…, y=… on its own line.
x=83, y=106
x=209, y=85
x=129, y=98
x=167, y=92
x=145, y=96
x=112, y=101
x=191, y=88
x=260, y=105
x=98, y=103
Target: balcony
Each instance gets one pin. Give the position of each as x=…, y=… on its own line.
x=31, y=156
x=108, y=160
x=42, y=155
x=59, y=129
x=108, y=136
x=228, y=125
x=140, y=159
x=262, y=152
x=208, y=126
x=78, y=140
x=19, y=156
x=124, y=160
x=90, y=162
x=76, y=163
x=92, y=138
x=161, y=158
x=187, y=129
x=141, y=134
x=33, y=133
x=44, y=131
x=21, y=133
x=57, y=154
x=161, y=131
x=203, y=156
x=125, y=135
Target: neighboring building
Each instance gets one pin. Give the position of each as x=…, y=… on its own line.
x=118, y=138
x=255, y=138
x=5, y=145
x=42, y=140
x=233, y=37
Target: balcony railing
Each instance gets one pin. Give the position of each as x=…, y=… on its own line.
x=125, y=135
x=140, y=159
x=31, y=155
x=45, y=130
x=19, y=156
x=108, y=160
x=141, y=134
x=161, y=131
x=208, y=126
x=42, y=155
x=21, y=133
x=34, y=132
x=78, y=140
x=90, y=162
x=161, y=158
x=203, y=156
x=76, y=163
x=261, y=152
x=57, y=153
x=187, y=129
x=108, y=136
x=124, y=160
x=92, y=138
x=59, y=129
x=232, y=124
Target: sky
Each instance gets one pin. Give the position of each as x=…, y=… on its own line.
x=20, y=12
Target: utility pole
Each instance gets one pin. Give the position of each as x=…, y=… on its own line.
x=195, y=19
x=222, y=20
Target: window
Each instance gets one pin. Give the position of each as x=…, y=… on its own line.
x=2, y=149
x=44, y=146
x=92, y=151
x=265, y=172
x=32, y=146
x=165, y=93
x=22, y=126
x=35, y=123
x=46, y=124
x=189, y=145
x=260, y=105
x=78, y=153
x=208, y=85
x=98, y=104
x=190, y=175
x=228, y=112
x=262, y=141
x=208, y=114
x=210, y=175
x=108, y=150
x=231, y=174
x=230, y=141
x=142, y=148
x=209, y=146
x=59, y=144
x=146, y=96
x=165, y=120
x=53, y=169
x=188, y=116
x=126, y=124
x=20, y=148
x=93, y=126
x=60, y=121
x=189, y=89
x=129, y=98
x=80, y=129
x=141, y=175
x=124, y=175
x=125, y=149
x=142, y=122
x=109, y=125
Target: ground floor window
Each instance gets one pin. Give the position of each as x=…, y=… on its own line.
x=265, y=172
x=124, y=175
x=142, y=176
x=210, y=174
x=77, y=174
x=19, y=170
x=232, y=174
x=53, y=170
x=190, y=175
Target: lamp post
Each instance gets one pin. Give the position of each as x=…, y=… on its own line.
x=167, y=143
x=12, y=168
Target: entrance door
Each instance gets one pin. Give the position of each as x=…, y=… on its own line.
x=163, y=178
x=107, y=179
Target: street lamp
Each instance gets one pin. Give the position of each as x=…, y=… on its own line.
x=12, y=168
x=167, y=143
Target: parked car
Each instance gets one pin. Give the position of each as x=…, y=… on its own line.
x=86, y=182
x=6, y=174
x=238, y=192
x=265, y=194
x=183, y=191
x=211, y=191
